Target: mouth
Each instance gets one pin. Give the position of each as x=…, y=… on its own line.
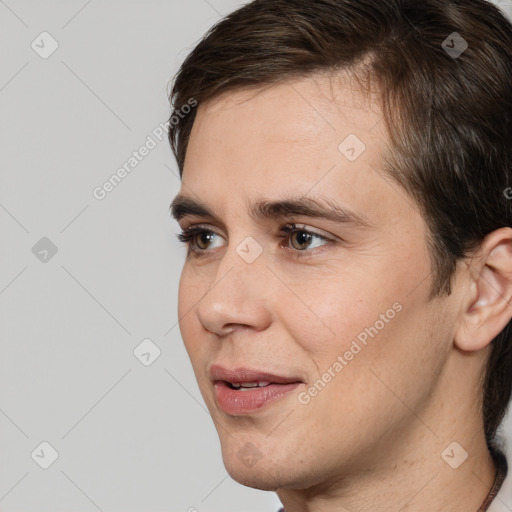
x=245, y=391
x=245, y=386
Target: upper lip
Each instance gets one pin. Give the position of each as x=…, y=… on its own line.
x=243, y=374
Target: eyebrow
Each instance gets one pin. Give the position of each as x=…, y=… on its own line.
x=323, y=208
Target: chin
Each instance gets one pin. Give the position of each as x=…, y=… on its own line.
x=249, y=466
x=254, y=479
x=260, y=476
x=249, y=462
x=274, y=477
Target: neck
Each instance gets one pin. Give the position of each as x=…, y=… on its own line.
x=418, y=468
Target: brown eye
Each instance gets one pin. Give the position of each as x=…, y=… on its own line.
x=303, y=239
x=204, y=237
x=197, y=238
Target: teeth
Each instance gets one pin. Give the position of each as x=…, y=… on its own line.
x=261, y=384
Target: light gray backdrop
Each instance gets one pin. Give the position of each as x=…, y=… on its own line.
x=90, y=418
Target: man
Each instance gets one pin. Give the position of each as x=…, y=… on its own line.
x=345, y=201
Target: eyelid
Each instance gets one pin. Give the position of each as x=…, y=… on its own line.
x=190, y=232
x=194, y=229
x=206, y=227
x=288, y=228
x=292, y=226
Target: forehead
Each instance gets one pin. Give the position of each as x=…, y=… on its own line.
x=314, y=136
x=313, y=112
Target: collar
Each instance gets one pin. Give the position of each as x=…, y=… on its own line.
x=500, y=497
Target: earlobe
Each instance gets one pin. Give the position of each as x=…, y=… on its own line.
x=488, y=308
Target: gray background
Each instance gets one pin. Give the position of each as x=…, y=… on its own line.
x=129, y=437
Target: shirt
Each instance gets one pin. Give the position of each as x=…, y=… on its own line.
x=499, y=498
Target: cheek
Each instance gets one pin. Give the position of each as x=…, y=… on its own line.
x=398, y=364
x=341, y=307
x=393, y=356
x=184, y=294
x=193, y=285
x=365, y=315
x=190, y=293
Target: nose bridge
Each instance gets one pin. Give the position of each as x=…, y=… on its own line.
x=238, y=293
x=243, y=265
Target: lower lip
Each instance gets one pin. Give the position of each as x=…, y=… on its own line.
x=234, y=402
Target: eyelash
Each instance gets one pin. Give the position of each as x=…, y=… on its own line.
x=189, y=234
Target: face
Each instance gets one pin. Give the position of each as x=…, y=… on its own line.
x=332, y=311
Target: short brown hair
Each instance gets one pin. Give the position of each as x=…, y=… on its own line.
x=448, y=115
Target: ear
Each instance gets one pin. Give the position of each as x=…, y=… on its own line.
x=488, y=309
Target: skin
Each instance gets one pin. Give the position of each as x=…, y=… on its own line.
x=372, y=438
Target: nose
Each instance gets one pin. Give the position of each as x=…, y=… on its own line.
x=239, y=296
